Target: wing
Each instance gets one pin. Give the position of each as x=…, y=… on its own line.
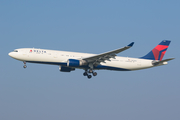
x=97, y=59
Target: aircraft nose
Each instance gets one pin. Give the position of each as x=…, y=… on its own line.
x=10, y=54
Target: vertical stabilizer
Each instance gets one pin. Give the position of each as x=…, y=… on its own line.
x=158, y=52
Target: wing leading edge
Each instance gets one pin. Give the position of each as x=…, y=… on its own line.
x=97, y=59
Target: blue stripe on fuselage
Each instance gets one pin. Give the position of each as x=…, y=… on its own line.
x=110, y=68
x=99, y=67
x=51, y=63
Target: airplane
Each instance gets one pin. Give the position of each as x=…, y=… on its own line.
x=69, y=61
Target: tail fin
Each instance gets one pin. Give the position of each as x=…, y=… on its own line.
x=158, y=52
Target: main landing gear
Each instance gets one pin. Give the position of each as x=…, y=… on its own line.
x=88, y=72
x=25, y=66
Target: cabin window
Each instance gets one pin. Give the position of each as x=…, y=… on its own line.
x=15, y=51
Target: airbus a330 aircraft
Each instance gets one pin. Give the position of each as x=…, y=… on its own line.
x=69, y=61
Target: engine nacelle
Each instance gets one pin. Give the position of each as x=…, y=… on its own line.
x=65, y=69
x=76, y=63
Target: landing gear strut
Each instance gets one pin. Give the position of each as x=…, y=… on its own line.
x=25, y=66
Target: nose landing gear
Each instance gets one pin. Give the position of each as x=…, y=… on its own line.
x=25, y=66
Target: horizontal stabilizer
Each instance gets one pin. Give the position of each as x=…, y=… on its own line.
x=163, y=62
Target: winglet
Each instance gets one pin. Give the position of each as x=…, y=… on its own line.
x=131, y=44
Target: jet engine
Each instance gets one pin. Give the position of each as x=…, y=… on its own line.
x=75, y=63
x=65, y=69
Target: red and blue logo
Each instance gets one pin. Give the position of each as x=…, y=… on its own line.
x=158, y=52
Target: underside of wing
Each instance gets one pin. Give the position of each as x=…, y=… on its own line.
x=97, y=59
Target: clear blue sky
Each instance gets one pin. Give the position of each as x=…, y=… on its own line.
x=41, y=92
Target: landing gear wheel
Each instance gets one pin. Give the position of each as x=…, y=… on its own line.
x=94, y=73
x=85, y=74
x=24, y=66
x=89, y=76
x=89, y=73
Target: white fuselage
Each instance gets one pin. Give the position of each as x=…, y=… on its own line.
x=55, y=57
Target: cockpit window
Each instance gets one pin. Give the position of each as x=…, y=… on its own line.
x=15, y=51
